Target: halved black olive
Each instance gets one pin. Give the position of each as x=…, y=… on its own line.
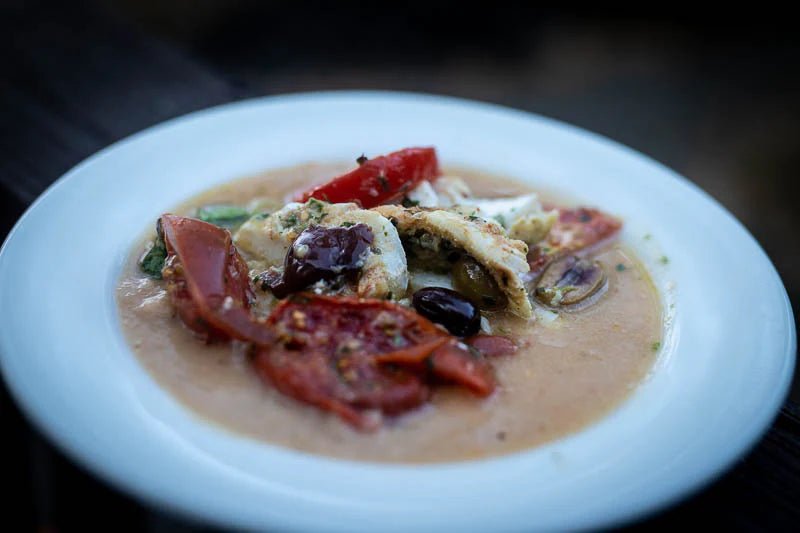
x=321, y=253
x=569, y=281
x=448, y=308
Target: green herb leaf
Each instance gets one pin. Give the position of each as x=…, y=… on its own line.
x=408, y=202
x=153, y=262
x=223, y=215
x=620, y=267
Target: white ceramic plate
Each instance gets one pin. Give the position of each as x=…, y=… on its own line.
x=724, y=371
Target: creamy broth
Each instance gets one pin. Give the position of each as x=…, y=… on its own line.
x=566, y=374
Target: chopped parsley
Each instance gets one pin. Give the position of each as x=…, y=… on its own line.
x=361, y=159
x=500, y=219
x=316, y=210
x=290, y=220
x=346, y=224
x=620, y=267
x=408, y=202
x=663, y=260
x=656, y=346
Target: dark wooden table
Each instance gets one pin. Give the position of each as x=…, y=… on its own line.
x=717, y=105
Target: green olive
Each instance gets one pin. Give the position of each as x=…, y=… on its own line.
x=475, y=283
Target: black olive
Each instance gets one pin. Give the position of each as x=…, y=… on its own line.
x=321, y=253
x=448, y=308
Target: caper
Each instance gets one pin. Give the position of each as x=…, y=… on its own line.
x=474, y=282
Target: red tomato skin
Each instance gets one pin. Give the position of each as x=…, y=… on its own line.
x=208, y=282
x=379, y=180
x=454, y=363
x=576, y=229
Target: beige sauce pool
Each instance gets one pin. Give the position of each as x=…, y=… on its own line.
x=565, y=376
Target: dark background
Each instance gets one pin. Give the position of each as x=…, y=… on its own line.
x=714, y=96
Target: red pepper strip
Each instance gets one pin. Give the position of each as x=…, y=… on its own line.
x=575, y=229
x=492, y=345
x=208, y=283
x=380, y=180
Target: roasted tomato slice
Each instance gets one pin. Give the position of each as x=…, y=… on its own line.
x=379, y=180
x=360, y=358
x=452, y=362
x=455, y=362
x=356, y=387
x=576, y=229
x=326, y=355
x=207, y=281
